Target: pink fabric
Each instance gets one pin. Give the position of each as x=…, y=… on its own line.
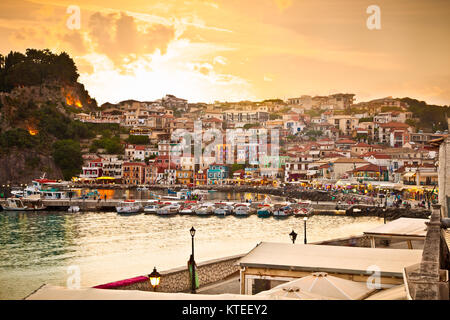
x=122, y=283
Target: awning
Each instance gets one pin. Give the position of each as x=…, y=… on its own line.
x=409, y=174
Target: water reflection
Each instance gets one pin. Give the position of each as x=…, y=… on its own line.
x=37, y=248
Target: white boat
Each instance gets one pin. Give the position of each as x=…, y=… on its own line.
x=151, y=207
x=23, y=204
x=242, y=209
x=188, y=208
x=144, y=188
x=129, y=207
x=74, y=209
x=223, y=209
x=205, y=209
x=169, y=209
x=283, y=211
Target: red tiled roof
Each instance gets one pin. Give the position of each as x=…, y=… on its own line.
x=362, y=144
x=394, y=124
x=369, y=168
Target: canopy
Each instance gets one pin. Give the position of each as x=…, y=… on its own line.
x=293, y=293
x=49, y=292
x=409, y=174
x=320, y=283
x=394, y=293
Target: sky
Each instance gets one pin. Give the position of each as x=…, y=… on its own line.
x=232, y=50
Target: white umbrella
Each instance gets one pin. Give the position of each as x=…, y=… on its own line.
x=321, y=283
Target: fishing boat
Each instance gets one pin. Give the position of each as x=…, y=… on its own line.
x=205, y=209
x=129, y=207
x=264, y=211
x=169, y=209
x=23, y=204
x=73, y=209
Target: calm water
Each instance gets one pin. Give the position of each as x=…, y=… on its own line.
x=38, y=247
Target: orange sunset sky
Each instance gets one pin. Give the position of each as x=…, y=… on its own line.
x=231, y=50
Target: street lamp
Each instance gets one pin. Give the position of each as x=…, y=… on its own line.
x=304, y=224
x=155, y=278
x=293, y=236
x=192, y=261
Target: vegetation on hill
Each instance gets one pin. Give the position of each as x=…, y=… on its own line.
x=431, y=117
x=34, y=68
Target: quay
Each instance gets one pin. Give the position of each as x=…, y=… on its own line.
x=319, y=208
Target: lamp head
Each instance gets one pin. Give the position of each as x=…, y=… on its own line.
x=155, y=278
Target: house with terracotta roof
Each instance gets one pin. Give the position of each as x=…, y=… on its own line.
x=341, y=166
x=345, y=144
x=370, y=172
x=361, y=148
x=396, y=134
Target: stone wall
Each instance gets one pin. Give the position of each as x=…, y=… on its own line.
x=177, y=280
x=444, y=176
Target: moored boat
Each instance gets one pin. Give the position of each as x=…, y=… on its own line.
x=129, y=207
x=264, y=211
x=223, y=209
x=205, y=209
x=168, y=209
x=23, y=204
x=242, y=209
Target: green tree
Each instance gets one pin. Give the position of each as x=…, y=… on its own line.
x=138, y=140
x=67, y=156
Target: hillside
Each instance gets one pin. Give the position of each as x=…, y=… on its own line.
x=39, y=94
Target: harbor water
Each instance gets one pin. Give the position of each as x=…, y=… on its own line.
x=39, y=248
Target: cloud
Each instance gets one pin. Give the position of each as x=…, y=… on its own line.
x=76, y=41
x=122, y=39
x=220, y=60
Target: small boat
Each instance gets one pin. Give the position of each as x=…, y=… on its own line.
x=264, y=211
x=73, y=209
x=169, y=209
x=150, y=208
x=242, y=209
x=171, y=191
x=223, y=209
x=205, y=209
x=303, y=208
x=144, y=188
x=188, y=209
x=23, y=204
x=129, y=207
x=283, y=211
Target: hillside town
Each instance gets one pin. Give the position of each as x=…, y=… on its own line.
x=319, y=142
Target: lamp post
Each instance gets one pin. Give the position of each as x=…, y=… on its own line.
x=192, y=231
x=293, y=236
x=304, y=224
x=154, y=278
